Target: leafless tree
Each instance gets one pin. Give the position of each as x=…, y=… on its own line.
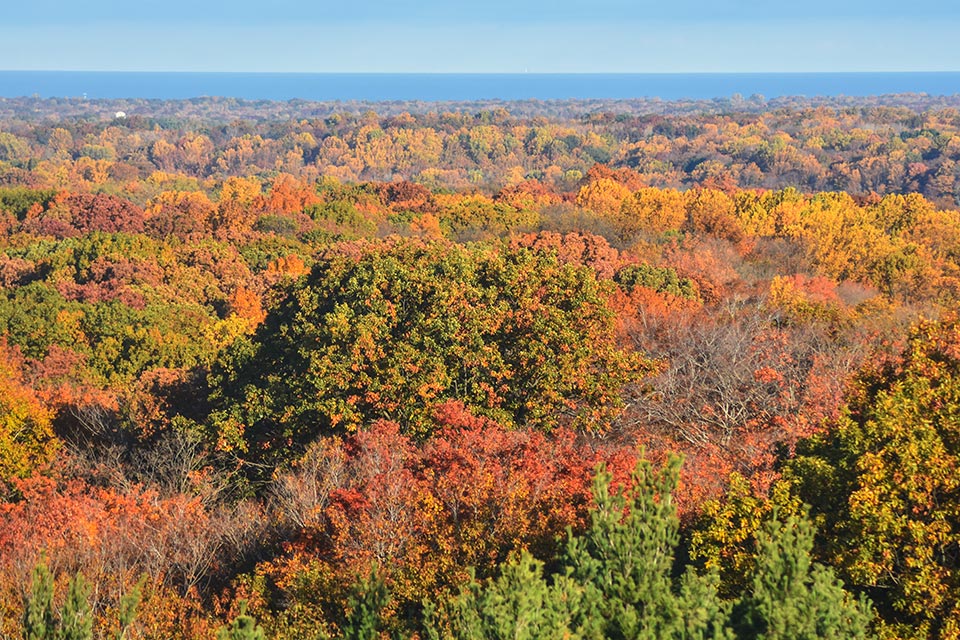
x=728, y=370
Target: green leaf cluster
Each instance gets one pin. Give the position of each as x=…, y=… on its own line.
x=406, y=326
x=885, y=482
x=619, y=580
x=75, y=621
x=660, y=279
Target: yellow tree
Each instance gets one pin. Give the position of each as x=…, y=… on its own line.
x=885, y=479
x=603, y=196
x=26, y=433
x=240, y=204
x=652, y=210
x=712, y=211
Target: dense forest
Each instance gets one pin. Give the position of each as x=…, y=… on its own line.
x=530, y=370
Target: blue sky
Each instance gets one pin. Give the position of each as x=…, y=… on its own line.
x=492, y=36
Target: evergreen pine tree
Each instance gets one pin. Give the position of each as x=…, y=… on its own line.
x=243, y=627
x=370, y=597
x=76, y=617
x=794, y=598
x=625, y=563
x=703, y=614
x=38, y=621
x=128, y=608
x=517, y=605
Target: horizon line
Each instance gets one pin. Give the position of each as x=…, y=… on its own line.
x=492, y=73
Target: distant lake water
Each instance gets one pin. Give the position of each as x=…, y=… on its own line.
x=455, y=87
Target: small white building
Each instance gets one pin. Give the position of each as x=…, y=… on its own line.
x=119, y=114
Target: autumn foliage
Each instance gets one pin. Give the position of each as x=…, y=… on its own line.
x=354, y=373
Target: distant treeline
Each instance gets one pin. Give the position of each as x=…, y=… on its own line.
x=859, y=146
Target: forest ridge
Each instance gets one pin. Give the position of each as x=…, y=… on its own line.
x=857, y=145
x=271, y=372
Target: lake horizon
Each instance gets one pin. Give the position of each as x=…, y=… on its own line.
x=386, y=87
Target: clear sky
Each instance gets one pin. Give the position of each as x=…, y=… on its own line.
x=481, y=36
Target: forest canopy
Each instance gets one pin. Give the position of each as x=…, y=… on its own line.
x=572, y=369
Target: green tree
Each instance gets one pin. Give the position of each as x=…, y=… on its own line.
x=370, y=597
x=617, y=581
x=519, y=604
x=75, y=620
x=243, y=627
x=885, y=482
x=128, y=608
x=625, y=560
x=38, y=621
x=405, y=327
x=793, y=598
x=614, y=581
x=76, y=616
